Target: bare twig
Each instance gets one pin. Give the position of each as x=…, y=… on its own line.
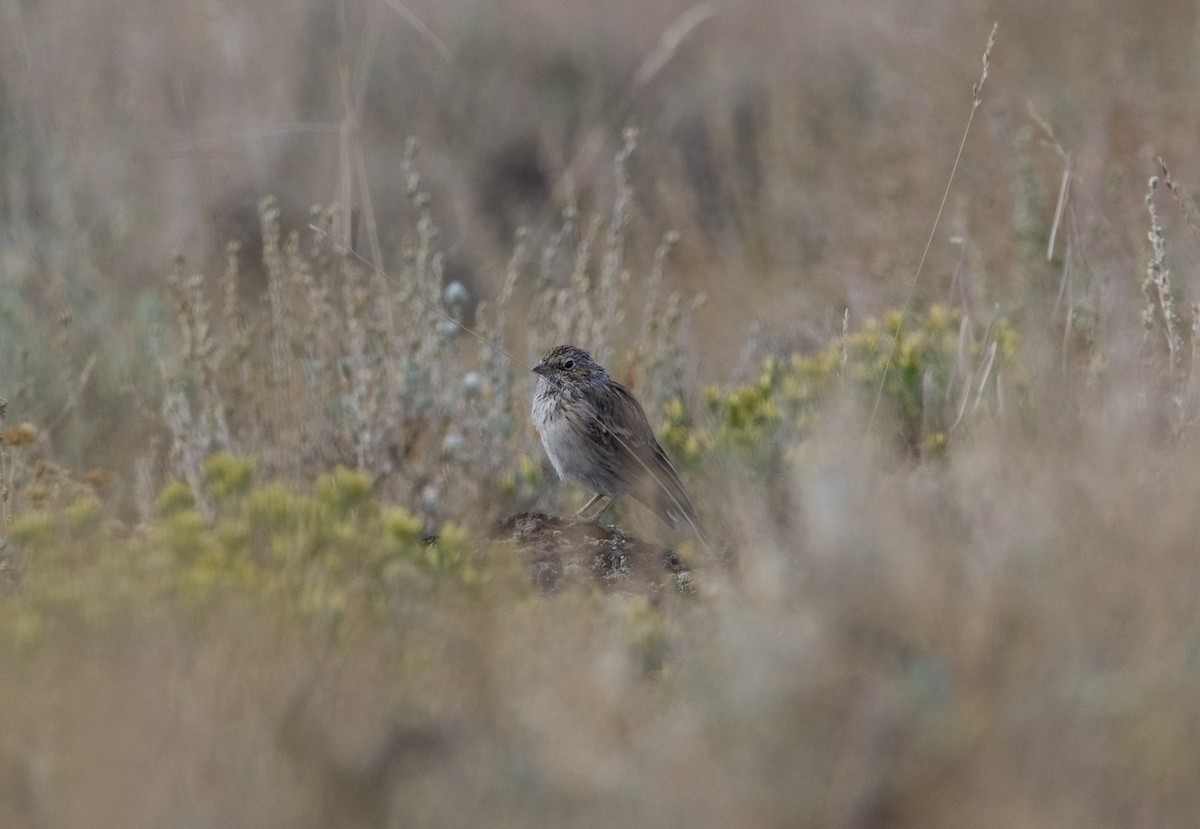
x=976, y=100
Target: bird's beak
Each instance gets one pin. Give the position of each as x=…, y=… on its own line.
x=542, y=369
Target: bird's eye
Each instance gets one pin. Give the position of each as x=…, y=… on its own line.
x=568, y=364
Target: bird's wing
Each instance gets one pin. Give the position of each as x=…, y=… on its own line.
x=640, y=460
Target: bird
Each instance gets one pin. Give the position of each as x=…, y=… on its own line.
x=598, y=437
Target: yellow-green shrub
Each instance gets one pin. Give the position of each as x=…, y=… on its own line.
x=940, y=368
x=314, y=554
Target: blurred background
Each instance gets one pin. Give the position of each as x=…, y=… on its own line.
x=800, y=149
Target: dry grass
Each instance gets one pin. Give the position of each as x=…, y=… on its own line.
x=980, y=609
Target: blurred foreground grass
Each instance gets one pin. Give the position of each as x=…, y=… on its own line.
x=991, y=620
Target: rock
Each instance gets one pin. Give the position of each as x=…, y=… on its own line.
x=565, y=552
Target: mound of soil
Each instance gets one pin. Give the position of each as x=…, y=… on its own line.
x=566, y=552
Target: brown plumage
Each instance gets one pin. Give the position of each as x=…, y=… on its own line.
x=598, y=436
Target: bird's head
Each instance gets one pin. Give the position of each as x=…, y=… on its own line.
x=569, y=363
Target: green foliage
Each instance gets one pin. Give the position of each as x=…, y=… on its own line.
x=928, y=373
x=518, y=488
x=344, y=491
x=36, y=529
x=228, y=476
x=316, y=554
x=84, y=517
x=650, y=634
x=175, y=497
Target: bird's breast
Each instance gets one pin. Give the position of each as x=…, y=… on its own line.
x=547, y=405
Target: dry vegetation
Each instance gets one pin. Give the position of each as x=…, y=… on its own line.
x=250, y=481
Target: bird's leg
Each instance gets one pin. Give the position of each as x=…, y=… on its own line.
x=588, y=505
x=603, y=507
